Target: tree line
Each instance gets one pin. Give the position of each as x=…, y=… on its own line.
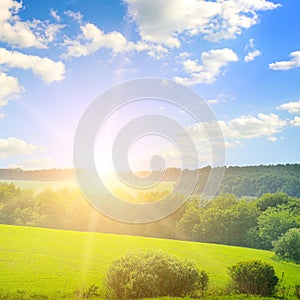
x=251, y=181
x=226, y=219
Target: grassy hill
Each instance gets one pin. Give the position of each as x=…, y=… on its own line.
x=39, y=186
x=54, y=262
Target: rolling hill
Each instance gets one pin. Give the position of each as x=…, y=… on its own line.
x=57, y=263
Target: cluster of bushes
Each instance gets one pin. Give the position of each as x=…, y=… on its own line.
x=149, y=274
x=153, y=274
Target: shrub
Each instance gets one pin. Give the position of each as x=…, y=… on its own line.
x=288, y=245
x=152, y=274
x=254, y=277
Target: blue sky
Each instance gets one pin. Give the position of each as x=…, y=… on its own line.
x=56, y=57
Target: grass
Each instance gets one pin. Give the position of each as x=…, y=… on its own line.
x=39, y=186
x=57, y=262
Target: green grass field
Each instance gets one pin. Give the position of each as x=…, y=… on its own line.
x=57, y=262
x=39, y=186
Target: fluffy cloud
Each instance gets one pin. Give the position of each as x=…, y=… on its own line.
x=163, y=22
x=77, y=16
x=93, y=39
x=212, y=63
x=241, y=128
x=9, y=88
x=53, y=14
x=294, y=62
x=24, y=34
x=248, y=127
x=252, y=55
x=252, y=52
x=272, y=139
x=292, y=107
x=13, y=146
x=295, y=121
x=45, y=68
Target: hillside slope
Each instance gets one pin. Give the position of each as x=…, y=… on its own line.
x=46, y=261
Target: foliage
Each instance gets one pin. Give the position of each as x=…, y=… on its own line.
x=288, y=245
x=225, y=220
x=272, y=200
x=254, y=277
x=88, y=293
x=251, y=181
x=258, y=180
x=153, y=274
x=274, y=222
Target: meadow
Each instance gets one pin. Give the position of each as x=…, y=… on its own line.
x=39, y=186
x=124, y=192
x=56, y=263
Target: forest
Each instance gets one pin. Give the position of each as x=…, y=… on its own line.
x=251, y=181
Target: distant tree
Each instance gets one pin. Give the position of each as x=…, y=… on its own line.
x=272, y=200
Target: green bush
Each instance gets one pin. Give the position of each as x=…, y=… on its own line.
x=288, y=245
x=254, y=278
x=153, y=274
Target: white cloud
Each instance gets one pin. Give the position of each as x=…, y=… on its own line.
x=163, y=22
x=212, y=63
x=248, y=127
x=221, y=98
x=92, y=39
x=9, y=88
x=184, y=54
x=45, y=68
x=77, y=16
x=241, y=128
x=295, y=121
x=53, y=13
x=252, y=55
x=292, y=107
x=24, y=34
x=212, y=101
x=294, y=62
x=272, y=139
x=251, y=51
x=13, y=146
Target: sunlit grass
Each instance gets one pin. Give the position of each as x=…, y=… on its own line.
x=44, y=261
x=39, y=186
